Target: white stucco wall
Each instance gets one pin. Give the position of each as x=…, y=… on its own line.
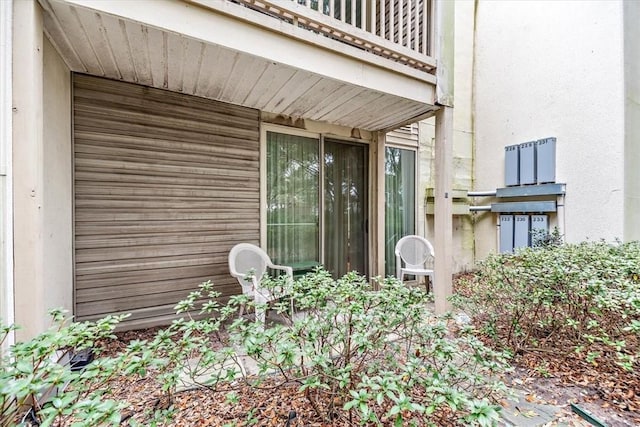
x=57, y=239
x=463, y=141
x=632, y=119
x=553, y=69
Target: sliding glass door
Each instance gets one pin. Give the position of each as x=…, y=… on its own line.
x=293, y=205
x=345, y=207
x=302, y=217
x=400, y=205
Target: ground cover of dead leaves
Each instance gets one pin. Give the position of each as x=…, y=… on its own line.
x=612, y=398
x=268, y=405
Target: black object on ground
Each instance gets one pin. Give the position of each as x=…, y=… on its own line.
x=586, y=415
x=80, y=359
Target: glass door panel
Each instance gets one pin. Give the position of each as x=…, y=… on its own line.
x=400, y=205
x=345, y=207
x=293, y=193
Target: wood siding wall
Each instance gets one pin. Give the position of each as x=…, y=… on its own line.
x=165, y=184
x=406, y=135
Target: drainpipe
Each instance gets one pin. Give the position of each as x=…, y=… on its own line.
x=561, y=216
x=489, y=193
x=485, y=208
x=7, y=314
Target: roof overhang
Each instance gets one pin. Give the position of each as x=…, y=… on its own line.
x=233, y=54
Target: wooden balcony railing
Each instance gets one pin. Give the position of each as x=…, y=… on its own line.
x=399, y=30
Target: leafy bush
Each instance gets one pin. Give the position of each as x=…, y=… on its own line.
x=542, y=238
x=37, y=384
x=581, y=301
x=358, y=355
x=189, y=347
x=367, y=356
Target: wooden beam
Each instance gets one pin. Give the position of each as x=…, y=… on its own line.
x=443, y=286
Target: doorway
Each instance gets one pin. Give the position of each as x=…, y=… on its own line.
x=345, y=207
x=317, y=203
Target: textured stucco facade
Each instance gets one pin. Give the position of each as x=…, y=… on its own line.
x=529, y=70
x=632, y=120
x=553, y=69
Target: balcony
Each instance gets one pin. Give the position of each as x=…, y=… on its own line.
x=364, y=64
x=398, y=30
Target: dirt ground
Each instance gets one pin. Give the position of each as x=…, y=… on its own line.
x=261, y=407
x=553, y=391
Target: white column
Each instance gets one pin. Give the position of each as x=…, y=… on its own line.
x=6, y=204
x=443, y=224
x=379, y=236
x=30, y=286
x=445, y=51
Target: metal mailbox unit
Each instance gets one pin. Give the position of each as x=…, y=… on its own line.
x=521, y=231
x=511, y=165
x=530, y=171
x=506, y=233
x=528, y=163
x=546, y=160
x=539, y=228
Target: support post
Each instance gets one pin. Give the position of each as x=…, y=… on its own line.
x=443, y=224
x=379, y=236
x=28, y=174
x=6, y=181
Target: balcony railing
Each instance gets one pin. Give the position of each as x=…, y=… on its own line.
x=399, y=30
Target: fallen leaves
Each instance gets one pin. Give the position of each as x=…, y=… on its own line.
x=612, y=394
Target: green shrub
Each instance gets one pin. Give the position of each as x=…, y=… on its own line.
x=358, y=355
x=542, y=238
x=579, y=300
x=37, y=385
x=190, y=346
x=369, y=356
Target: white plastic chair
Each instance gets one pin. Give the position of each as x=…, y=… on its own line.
x=417, y=255
x=248, y=263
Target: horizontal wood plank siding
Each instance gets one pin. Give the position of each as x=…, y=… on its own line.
x=165, y=184
x=406, y=135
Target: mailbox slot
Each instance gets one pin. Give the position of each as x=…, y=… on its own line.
x=506, y=233
x=546, y=160
x=521, y=231
x=527, y=163
x=511, y=166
